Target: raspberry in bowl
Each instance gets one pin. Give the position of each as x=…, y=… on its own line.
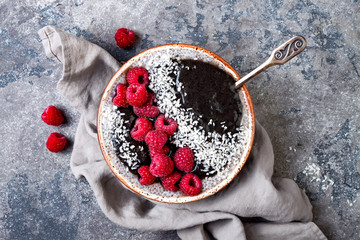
x=171, y=125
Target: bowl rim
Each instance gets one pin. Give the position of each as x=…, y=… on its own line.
x=226, y=180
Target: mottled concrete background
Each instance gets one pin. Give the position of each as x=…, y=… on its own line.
x=310, y=106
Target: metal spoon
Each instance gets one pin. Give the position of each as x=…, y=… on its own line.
x=279, y=56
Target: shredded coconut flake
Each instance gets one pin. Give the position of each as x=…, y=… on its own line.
x=119, y=131
x=212, y=150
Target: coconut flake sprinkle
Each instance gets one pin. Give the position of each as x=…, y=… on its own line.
x=212, y=150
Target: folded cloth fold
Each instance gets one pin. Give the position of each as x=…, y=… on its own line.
x=255, y=205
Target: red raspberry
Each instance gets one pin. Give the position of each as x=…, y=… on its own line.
x=151, y=98
x=141, y=128
x=184, y=159
x=156, y=140
x=190, y=184
x=52, y=116
x=166, y=125
x=169, y=182
x=161, y=165
x=138, y=75
x=147, y=110
x=136, y=95
x=165, y=150
x=56, y=142
x=146, y=177
x=120, y=98
x=124, y=38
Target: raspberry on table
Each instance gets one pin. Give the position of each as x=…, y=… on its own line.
x=161, y=165
x=165, y=150
x=146, y=178
x=169, y=182
x=167, y=125
x=184, y=159
x=138, y=75
x=190, y=184
x=56, y=142
x=124, y=37
x=136, y=95
x=141, y=128
x=52, y=116
x=147, y=110
x=156, y=140
x=120, y=98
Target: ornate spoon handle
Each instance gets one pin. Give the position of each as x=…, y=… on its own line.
x=279, y=56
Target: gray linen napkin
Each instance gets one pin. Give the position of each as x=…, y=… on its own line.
x=254, y=206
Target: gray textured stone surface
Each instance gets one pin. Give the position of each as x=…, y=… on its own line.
x=310, y=106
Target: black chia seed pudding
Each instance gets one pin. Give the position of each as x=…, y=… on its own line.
x=202, y=99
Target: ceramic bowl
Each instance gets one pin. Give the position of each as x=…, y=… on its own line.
x=107, y=112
